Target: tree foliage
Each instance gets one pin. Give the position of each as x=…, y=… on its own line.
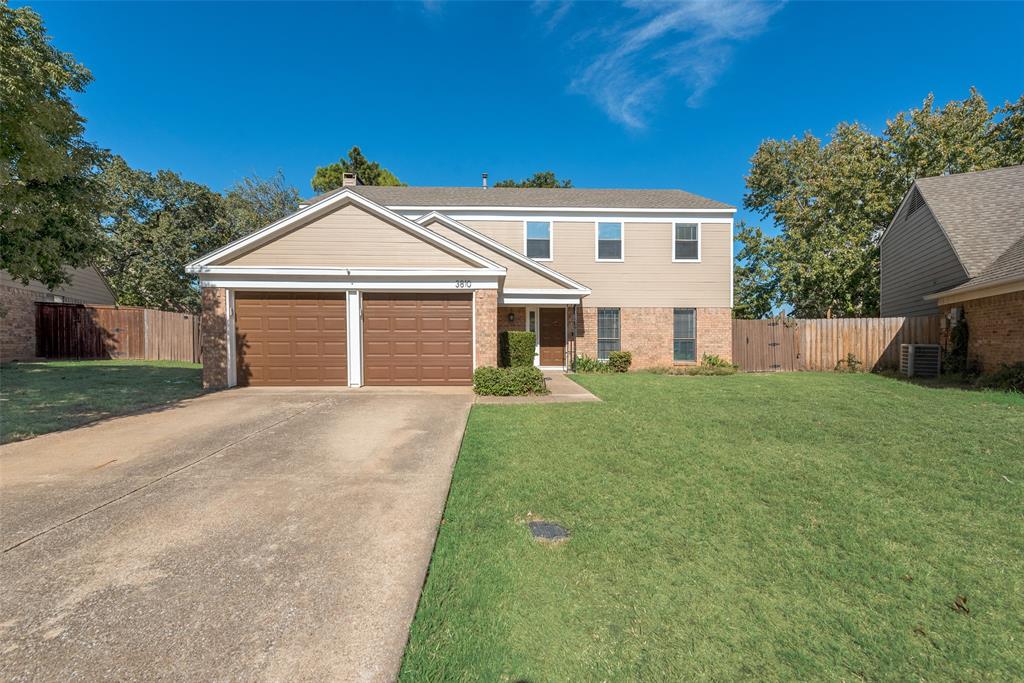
x=539, y=179
x=832, y=201
x=50, y=195
x=369, y=172
x=157, y=223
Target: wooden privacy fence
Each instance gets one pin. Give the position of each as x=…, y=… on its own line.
x=89, y=332
x=781, y=344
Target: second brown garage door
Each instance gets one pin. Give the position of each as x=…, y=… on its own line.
x=424, y=339
x=291, y=339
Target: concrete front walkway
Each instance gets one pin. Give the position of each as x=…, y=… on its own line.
x=244, y=535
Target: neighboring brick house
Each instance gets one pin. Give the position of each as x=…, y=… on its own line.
x=18, y=307
x=412, y=285
x=956, y=247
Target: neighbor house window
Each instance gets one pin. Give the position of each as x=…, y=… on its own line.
x=684, y=334
x=609, y=241
x=607, y=332
x=686, y=243
x=538, y=239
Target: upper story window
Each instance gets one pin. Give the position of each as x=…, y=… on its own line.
x=686, y=242
x=538, y=240
x=609, y=241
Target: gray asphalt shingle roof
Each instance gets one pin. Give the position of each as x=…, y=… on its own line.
x=440, y=197
x=982, y=213
x=1008, y=266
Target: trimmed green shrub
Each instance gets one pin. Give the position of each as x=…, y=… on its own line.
x=619, y=361
x=518, y=348
x=1006, y=378
x=518, y=381
x=714, y=361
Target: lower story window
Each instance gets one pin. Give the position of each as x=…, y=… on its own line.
x=607, y=332
x=684, y=334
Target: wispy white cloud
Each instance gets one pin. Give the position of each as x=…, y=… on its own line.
x=552, y=12
x=662, y=44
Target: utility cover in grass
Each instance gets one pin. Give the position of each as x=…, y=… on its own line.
x=548, y=531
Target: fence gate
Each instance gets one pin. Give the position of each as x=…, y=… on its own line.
x=766, y=345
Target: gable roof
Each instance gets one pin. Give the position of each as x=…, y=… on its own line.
x=528, y=197
x=500, y=248
x=1009, y=267
x=309, y=213
x=982, y=213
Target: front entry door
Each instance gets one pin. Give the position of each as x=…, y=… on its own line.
x=552, y=337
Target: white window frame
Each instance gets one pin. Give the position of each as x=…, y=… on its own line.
x=622, y=242
x=551, y=239
x=700, y=232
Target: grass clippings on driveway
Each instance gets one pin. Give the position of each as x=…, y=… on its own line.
x=36, y=398
x=769, y=527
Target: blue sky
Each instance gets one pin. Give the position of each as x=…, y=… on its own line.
x=609, y=95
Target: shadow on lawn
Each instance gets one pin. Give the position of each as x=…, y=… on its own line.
x=38, y=398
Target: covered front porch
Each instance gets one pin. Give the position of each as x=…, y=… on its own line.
x=555, y=327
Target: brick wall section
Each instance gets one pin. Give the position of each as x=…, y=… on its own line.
x=995, y=327
x=214, y=331
x=18, y=323
x=647, y=334
x=486, y=302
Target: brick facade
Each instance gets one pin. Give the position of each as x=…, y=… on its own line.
x=214, y=331
x=647, y=334
x=18, y=323
x=995, y=329
x=486, y=301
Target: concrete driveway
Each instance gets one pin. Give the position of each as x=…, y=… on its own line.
x=250, y=534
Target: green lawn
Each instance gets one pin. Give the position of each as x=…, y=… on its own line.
x=36, y=398
x=769, y=527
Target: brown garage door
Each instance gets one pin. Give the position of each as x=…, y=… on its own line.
x=290, y=339
x=418, y=339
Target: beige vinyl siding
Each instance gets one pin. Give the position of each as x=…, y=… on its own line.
x=86, y=287
x=519, y=277
x=916, y=259
x=647, y=277
x=349, y=237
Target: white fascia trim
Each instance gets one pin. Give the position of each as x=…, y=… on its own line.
x=466, y=286
x=351, y=273
x=582, y=217
x=494, y=245
x=435, y=207
x=979, y=291
x=519, y=297
x=320, y=208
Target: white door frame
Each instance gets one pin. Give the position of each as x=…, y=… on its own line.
x=565, y=329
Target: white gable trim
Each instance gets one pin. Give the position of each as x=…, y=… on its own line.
x=343, y=198
x=512, y=254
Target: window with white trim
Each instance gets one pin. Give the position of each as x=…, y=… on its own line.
x=607, y=332
x=609, y=241
x=686, y=242
x=684, y=334
x=538, y=239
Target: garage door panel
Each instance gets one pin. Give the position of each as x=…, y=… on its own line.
x=410, y=339
x=291, y=338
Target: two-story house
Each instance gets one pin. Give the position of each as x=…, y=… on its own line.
x=373, y=285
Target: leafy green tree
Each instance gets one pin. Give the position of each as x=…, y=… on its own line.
x=540, y=179
x=50, y=193
x=832, y=201
x=254, y=203
x=159, y=222
x=369, y=172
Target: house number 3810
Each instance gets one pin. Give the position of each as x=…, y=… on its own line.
x=463, y=284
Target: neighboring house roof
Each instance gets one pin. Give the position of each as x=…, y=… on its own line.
x=982, y=213
x=532, y=197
